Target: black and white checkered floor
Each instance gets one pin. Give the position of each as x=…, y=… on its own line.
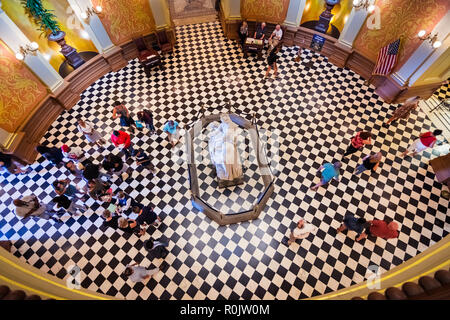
x=315, y=111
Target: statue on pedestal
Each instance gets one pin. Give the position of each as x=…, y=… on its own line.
x=224, y=153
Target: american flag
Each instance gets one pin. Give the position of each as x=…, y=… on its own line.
x=387, y=58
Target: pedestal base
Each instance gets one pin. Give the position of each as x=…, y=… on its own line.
x=230, y=183
x=74, y=59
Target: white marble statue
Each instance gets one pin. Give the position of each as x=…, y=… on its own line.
x=223, y=149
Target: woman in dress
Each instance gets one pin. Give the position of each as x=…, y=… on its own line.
x=404, y=111
x=120, y=111
x=90, y=133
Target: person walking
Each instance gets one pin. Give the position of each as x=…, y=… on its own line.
x=383, y=229
x=272, y=62
x=69, y=205
x=329, y=171
x=361, y=139
x=157, y=249
x=145, y=116
x=354, y=224
x=425, y=141
x=120, y=111
x=29, y=206
x=123, y=140
x=92, y=135
x=404, y=111
x=370, y=162
x=136, y=273
x=173, y=132
x=301, y=231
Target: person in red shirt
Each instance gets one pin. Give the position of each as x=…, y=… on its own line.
x=358, y=141
x=122, y=139
x=382, y=229
x=425, y=141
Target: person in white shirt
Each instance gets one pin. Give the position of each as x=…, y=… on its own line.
x=302, y=231
x=275, y=37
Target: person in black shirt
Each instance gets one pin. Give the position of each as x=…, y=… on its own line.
x=53, y=154
x=115, y=165
x=71, y=207
x=110, y=220
x=370, y=162
x=143, y=161
x=130, y=226
x=272, y=62
x=92, y=171
x=146, y=216
x=260, y=31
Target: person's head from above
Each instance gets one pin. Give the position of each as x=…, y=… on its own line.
x=263, y=25
x=65, y=148
x=91, y=183
x=123, y=222
x=19, y=203
x=300, y=223
x=361, y=221
x=2, y=163
x=136, y=209
x=393, y=225
x=337, y=165
x=81, y=122
x=117, y=103
x=437, y=132
x=128, y=272
x=56, y=184
x=365, y=136
x=171, y=123
x=116, y=133
x=148, y=244
x=121, y=195
x=277, y=27
x=106, y=214
x=70, y=165
x=244, y=23
x=376, y=157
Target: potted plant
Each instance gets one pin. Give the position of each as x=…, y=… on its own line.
x=50, y=27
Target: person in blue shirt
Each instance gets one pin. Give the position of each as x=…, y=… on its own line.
x=173, y=132
x=354, y=224
x=329, y=171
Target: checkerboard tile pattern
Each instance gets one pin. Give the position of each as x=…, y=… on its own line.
x=315, y=111
x=443, y=93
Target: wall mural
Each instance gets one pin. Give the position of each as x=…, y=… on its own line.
x=180, y=9
x=400, y=18
x=274, y=11
x=124, y=19
x=340, y=11
x=20, y=90
x=67, y=20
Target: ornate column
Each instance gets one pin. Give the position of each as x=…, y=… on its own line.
x=14, y=38
x=424, y=56
x=295, y=13
x=93, y=26
x=343, y=47
x=161, y=13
